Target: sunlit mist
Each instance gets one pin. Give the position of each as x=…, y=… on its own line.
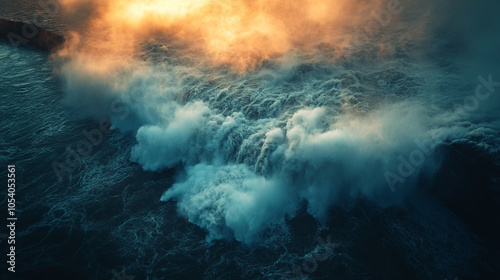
x=241, y=33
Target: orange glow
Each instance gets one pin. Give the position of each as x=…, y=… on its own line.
x=136, y=11
x=238, y=33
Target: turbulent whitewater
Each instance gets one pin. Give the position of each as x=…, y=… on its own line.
x=256, y=120
x=255, y=140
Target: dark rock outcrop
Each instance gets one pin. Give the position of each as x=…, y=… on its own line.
x=19, y=33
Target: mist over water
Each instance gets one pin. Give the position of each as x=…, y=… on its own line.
x=257, y=120
x=255, y=144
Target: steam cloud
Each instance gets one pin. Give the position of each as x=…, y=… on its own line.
x=260, y=103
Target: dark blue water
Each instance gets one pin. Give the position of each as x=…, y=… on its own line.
x=103, y=217
x=106, y=215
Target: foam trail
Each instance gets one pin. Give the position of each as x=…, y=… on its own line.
x=231, y=200
x=244, y=173
x=259, y=132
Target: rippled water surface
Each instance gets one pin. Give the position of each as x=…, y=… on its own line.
x=272, y=173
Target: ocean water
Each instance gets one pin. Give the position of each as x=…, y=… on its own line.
x=278, y=172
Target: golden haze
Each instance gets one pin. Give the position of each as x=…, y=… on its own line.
x=239, y=33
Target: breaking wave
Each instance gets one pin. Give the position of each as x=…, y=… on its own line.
x=254, y=143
